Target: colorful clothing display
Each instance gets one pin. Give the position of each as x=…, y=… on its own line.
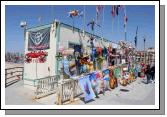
x=136, y=71
x=77, y=54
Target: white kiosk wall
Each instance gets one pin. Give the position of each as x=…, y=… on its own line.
x=35, y=70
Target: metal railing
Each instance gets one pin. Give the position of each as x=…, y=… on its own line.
x=13, y=75
x=46, y=86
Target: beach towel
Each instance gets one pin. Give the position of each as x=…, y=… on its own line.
x=94, y=83
x=106, y=79
x=117, y=72
x=87, y=89
x=66, y=67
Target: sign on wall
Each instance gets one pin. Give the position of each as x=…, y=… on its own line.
x=39, y=40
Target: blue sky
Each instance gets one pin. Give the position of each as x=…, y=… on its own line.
x=138, y=15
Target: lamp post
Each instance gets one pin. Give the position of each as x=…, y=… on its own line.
x=23, y=24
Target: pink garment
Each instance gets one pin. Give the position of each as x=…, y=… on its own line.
x=98, y=75
x=99, y=51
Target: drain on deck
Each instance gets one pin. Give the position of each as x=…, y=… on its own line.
x=124, y=90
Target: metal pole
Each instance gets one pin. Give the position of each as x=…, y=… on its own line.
x=125, y=22
x=5, y=78
x=84, y=21
x=103, y=23
x=52, y=17
x=144, y=50
x=25, y=27
x=36, y=70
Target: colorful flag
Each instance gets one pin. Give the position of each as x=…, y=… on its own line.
x=113, y=10
x=120, y=7
x=93, y=23
x=99, y=8
x=74, y=13
x=87, y=88
x=125, y=17
x=117, y=9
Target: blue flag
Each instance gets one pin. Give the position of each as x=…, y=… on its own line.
x=87, y=89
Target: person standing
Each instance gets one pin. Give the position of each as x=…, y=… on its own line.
x=152, y=73
x=147, y=73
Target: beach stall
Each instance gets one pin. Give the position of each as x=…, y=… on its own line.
x=47, y=46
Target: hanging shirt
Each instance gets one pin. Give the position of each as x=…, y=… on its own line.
x=99, y=51
x=66, y=66
x=111, y=73
x=98, y=75
x=104, y=52
x=94, y=54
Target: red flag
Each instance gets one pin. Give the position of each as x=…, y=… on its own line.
x=113, y=10
x=99, y=8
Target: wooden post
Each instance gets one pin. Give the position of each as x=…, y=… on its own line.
x=5, y=77
x=59, y=95
x=72, y=92
x=22, y=72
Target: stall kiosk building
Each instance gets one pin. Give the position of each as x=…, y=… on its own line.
x=48, y=39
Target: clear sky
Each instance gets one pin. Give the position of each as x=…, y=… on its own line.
x=141, y=16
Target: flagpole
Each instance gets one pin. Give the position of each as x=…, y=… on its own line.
x=73, y=24
x=84, y=22
x=125, y=23
x=103, y=23
x=51, y=13
x=112, y=24
x=118, y=24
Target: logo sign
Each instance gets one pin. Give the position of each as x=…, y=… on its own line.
x=39, y=40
